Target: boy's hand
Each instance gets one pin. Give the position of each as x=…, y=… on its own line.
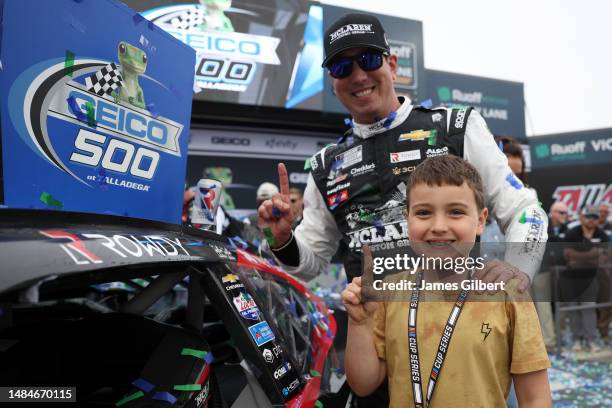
x=275, y=214
x=502, y=271
x=355, y=297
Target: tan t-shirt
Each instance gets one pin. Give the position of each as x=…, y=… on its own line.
x=477, y=370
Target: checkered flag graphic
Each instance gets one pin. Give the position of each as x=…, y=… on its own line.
x=188, y=20
x=104, y=81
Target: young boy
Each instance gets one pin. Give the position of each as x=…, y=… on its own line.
x=466, y=354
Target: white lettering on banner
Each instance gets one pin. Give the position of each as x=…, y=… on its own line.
x=130, y=124
x=282, y=370
x=409, y=155
x=247, y=47
x=350, y=29
x=468, y=97
x=350, y=157
x=238, y=141
x=602, y=144
x=298, y=178
x=275, y=143
x=490, y=113
x=574, y=148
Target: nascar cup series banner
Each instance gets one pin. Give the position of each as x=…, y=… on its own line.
x=96, y=104
x=575, y=168
x=501, y=103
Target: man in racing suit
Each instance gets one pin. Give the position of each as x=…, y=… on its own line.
x=356, y=189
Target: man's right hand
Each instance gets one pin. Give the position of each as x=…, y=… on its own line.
x=276, y=214
x=360, y=310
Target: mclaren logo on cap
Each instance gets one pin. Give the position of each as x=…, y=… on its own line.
x=350, y=29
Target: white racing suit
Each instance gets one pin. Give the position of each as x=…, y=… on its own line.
x=356, y=189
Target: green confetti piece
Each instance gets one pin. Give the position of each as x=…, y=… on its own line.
x=523, y=218
x=540, y=204
x=307, y=164
x=50, y=201
x=311, y=306
x=315, y=373
x=129, y=398
x=91, y=114
x=193, y=352
x=318, y=404
x=69, y=63
x=188, y=387
x=431, y=140
x=269, y=237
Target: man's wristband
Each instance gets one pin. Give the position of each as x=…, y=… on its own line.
x=289, y=254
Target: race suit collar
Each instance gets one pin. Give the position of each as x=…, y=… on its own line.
x=394, y=119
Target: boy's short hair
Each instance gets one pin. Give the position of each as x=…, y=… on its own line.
x=447, y=170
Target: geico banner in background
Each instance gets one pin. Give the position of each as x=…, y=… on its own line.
x=250, y=144
x=244, y=160
x=501, y=103
x=405, y=40
x=261, y=52
x=94, y=118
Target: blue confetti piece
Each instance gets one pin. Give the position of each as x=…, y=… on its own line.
x=500, y=145
x=350, y=140
x=513, y=181
x=209, y=358
x=143, y=384
x=137, y=18
x=329, y=333
x=348, y=122
x=533, y=220
x=427, y=104
x=276, y=212
x=387, y=123
x=164, y=396
x=231, y=241
x=152, y=110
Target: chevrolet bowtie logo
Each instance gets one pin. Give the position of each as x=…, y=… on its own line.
x=229, y=278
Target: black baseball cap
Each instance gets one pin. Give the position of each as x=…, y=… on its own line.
x=352, y=31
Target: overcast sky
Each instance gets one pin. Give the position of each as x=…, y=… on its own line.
x=561, y=50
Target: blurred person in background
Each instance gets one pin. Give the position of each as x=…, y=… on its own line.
x=297, y=205
x=604, y=277
x=604, y=222
x=265, y=191
x=579, y=283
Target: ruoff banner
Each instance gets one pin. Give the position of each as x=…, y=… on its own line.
x=94, y=117
x=501, y=103
x=575, y=168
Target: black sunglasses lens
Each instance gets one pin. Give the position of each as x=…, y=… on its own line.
x=370, y=61
x=341, y=68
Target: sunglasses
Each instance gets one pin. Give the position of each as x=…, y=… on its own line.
x=367, y=61
x=591, y=216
